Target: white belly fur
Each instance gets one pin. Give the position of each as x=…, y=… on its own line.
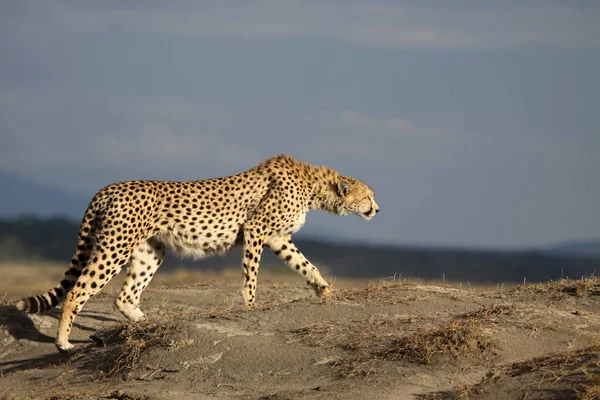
x=198, y=249
x=296, y=225
x=203, y=247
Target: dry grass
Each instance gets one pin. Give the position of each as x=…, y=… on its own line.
x=576, y=371
x=586, y=286
x=138, y=339
x=458, y=337
x=590, y=391
x=381, y=339
x=371, y=292
x=70, y=396
x=116, y=395
x=123, y=346
x=487, y=312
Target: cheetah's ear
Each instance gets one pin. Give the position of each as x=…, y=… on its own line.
x=343, y=187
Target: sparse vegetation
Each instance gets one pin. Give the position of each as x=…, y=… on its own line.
x=586, y=286
x=456, y=338
x=574, y=373
x=122, y=346
x=443, y=342
x=383, y=337
x=370, y=292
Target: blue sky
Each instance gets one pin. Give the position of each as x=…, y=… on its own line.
x=475, y=122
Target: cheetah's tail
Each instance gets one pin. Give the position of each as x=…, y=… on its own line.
x=45, y=302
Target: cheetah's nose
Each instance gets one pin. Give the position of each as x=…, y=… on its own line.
x=376, y=211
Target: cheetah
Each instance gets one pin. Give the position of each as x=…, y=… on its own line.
x=131, y=223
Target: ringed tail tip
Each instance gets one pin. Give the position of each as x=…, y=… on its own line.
x=21, y=305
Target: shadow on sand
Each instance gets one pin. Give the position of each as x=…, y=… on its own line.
x=20, y=326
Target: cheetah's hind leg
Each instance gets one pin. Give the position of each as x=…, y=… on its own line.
x=144, y=262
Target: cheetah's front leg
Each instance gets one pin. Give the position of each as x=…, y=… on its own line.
x=252, y=251
x=283, y=247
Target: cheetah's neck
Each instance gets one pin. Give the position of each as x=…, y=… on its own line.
x=322, y=182
x=324, y=191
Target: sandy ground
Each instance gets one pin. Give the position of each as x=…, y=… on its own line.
x=376, y=340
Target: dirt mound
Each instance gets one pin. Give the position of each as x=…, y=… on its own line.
x=386, y=340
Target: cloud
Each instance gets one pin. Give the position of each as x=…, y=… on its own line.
x=91, y=140
x=358, y=119
x=358, y=22
x=400, y=124
x=58, y=136
x=158, y=143
x=354, y=118
x=394, y=126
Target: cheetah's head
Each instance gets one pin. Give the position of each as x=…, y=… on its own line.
x=357, y=198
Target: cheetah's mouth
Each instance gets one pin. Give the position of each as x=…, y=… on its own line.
x=369, y=214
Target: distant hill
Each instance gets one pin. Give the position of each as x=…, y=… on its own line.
x=54, y=239
x=20, y=196
x=588, y=248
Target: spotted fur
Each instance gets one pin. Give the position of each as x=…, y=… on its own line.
x=131, y=223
